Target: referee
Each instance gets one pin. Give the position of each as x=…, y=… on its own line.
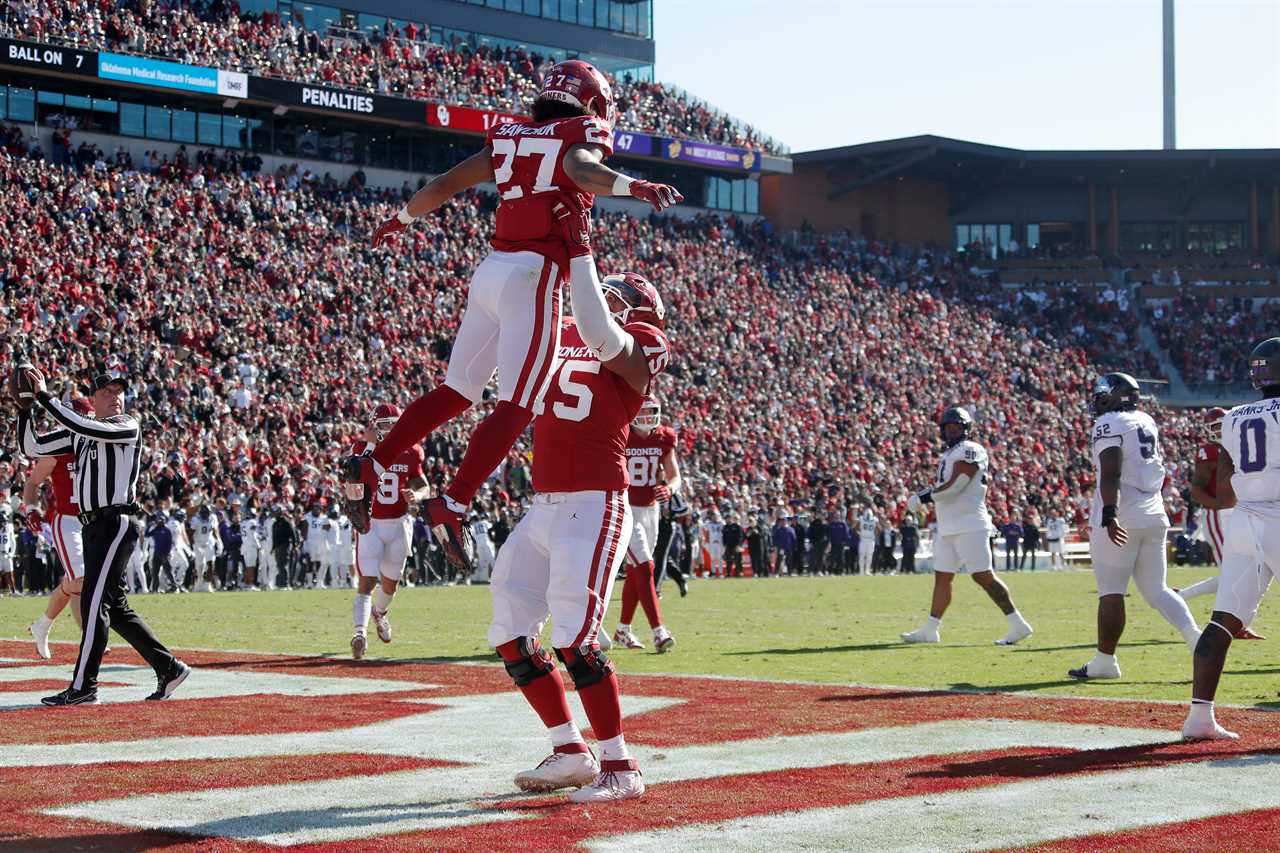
x=106, y=449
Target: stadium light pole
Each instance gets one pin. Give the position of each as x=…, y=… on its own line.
x=1170, y=107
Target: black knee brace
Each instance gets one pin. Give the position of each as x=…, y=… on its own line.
x=585, y=669
x=535, y=663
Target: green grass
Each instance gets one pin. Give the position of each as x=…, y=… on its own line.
x=813, y=629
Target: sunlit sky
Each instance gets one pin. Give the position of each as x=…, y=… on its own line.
x=1023, y=73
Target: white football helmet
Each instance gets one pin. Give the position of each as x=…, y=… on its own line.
x=650, y=415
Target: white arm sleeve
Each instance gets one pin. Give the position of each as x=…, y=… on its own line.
x=596, y=325
x=953, y=491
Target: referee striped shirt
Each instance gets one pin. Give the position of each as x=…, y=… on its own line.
x=107, y=452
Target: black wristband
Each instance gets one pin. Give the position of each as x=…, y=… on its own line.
x=1108, y=514
x=925, y=497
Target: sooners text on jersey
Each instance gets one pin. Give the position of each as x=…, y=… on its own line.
x=528, y=168
x=387, y=500
x=644, y=462
x=64, y=499
x=580, y=433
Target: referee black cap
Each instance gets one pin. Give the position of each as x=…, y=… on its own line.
x=102, y=380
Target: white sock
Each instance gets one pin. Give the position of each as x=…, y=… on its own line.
x=1015, y=619
x=565, y=734
x=624, y=627
x=381, y=600
x=1201, y=711
x=1100, y=657
x=614, y=749
x=43, y=621
x=933, y=622
x=360, y=612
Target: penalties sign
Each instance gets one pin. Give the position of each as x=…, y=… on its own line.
x=47, y=57
x=336, y=101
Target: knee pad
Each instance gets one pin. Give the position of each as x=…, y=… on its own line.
x=532, y=662
x=586, y=669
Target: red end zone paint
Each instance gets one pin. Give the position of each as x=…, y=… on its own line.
x=713, y=711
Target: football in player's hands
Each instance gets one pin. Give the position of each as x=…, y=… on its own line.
x=386, y=229
x=661, y=196
x=25, y=382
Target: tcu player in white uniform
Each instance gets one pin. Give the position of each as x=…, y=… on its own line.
x=313, y=545
x=1249, y=481
x=960, y=502
x=713, y=536
x=250, y=550
x=481, y=532
x=1127, y=522
x=181, y=556
x=866, y=540
x=1055, y=531
x=206, y=542
x=331, y=536
x=381, y=552
x=8, y=539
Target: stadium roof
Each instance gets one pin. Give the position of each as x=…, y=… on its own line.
x=851, y=167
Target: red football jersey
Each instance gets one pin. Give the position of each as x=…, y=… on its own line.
x=528, y=168
x=1209, y=453
x=580, y=433
x=387, y=501
x=644, y=462
x=64, y=501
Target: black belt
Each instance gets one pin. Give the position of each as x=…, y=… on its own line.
x=113, y=511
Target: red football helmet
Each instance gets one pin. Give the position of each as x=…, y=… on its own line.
x=384, y=418
x=640, y=297
x=580, y=84
x=1212, y=419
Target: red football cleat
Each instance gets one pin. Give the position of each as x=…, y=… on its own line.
x=454, y=536
x=359, y=482
x=1246, y=634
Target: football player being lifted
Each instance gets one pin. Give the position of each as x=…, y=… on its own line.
x=381, y=551
x=561, y=559
x=512, y=318
x=1249, y=481
x=959, y=498
x=1127, y=522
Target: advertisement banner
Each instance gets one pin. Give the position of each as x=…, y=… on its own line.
x=337, y=101
x=171, y=75
x=707, y=154
x=68, y=60
x=467, y=119
x=629, y=142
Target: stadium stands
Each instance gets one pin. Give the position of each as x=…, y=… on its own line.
x=396, y=62
x=808, y=371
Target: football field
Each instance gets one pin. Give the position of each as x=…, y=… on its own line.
x=788, y=717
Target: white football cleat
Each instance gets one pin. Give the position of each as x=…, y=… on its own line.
x=922, y=635
x=569, y=766
x=618, y=780
x=41, y=636
x=1206, y=730
x=1094, y=669
x=380, y=622
x=627, y=639
x=358, y=644
x=662, y=640
x=1016, y=634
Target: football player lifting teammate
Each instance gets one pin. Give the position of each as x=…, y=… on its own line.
x=561, y=559
x=512, y=318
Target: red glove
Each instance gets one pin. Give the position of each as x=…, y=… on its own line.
x=662, y=492
x=33, y=520
x=573, y=221
x=386, y=229
x=661, y=196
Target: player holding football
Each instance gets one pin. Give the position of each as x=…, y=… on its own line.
x=653, y=472
x=960, y=503
x=562, y=557
x=1128, y=524
x=512, y=318
x=64, y=521
x=1249, y=481
x=382, y=550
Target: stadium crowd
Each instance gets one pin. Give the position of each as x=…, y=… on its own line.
x=1205, y=333
x=394, y=62
x=262, y=330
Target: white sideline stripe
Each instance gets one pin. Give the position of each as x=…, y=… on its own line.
x=983, y=819
x=201, y=684
x=313, y=812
